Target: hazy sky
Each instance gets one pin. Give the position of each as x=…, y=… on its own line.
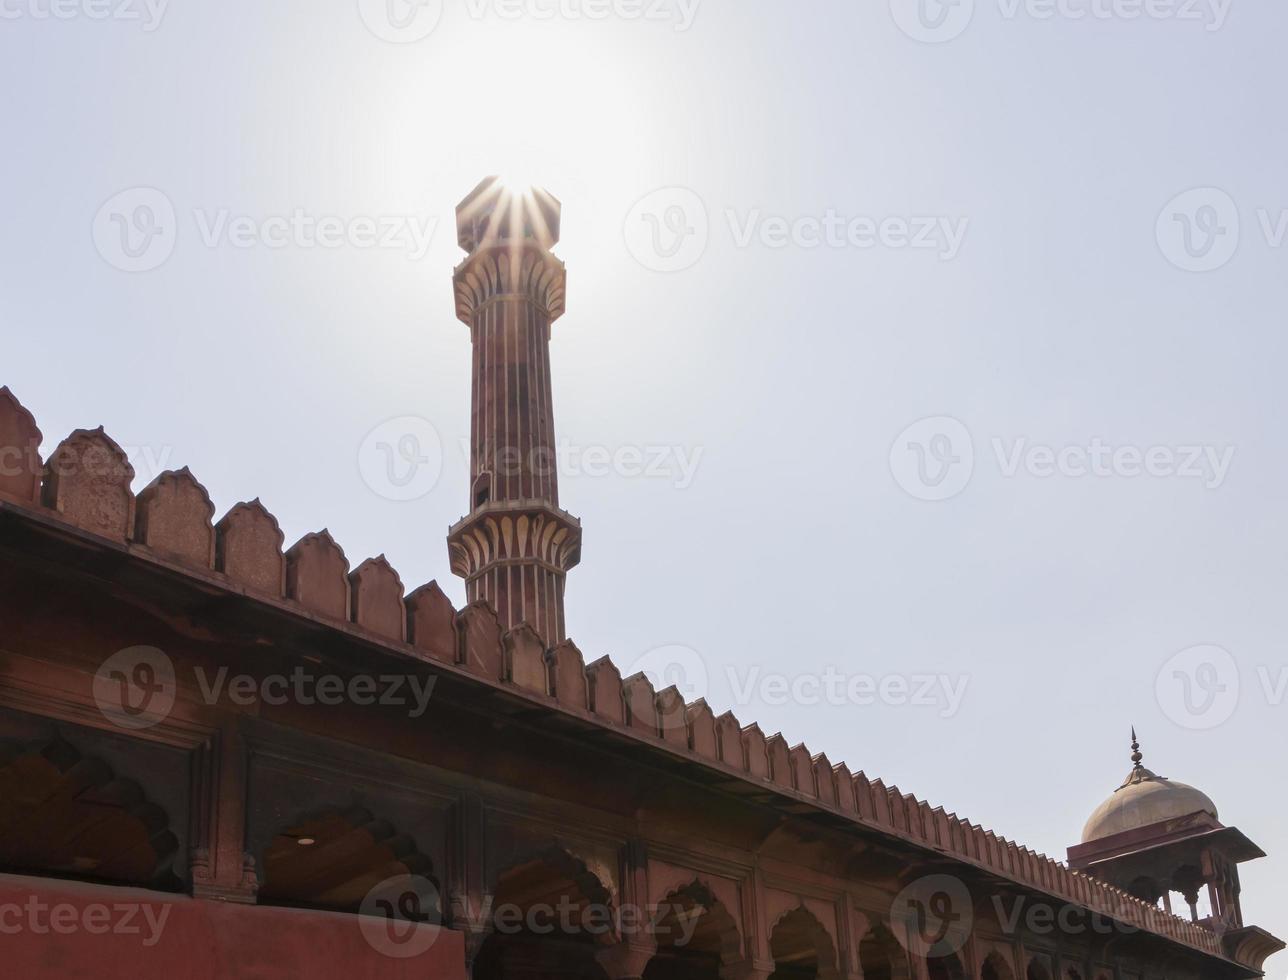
x=792, y=231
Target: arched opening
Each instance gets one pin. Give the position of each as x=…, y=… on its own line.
x=800, y=947
x=549, y=917
x=1037, y=970
x=695, y=936
x=946, y=967
x=336, y=859
x=65, y=815
x=881, y=956
x=995, y=967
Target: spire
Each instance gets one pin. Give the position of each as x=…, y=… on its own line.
x=1136, y=756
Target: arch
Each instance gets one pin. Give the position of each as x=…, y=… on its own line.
x=801, y=947
x=67, y=815
x=946, y=967
x=334, y=858
x=549, y=913
x=881, y=956
x=1037, y=968
x=995, y=967
x=695, y=935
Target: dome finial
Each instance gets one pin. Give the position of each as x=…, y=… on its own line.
x=1136, y=756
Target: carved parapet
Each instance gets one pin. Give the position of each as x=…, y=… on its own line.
x=605, y=688
x=317, y=575
x=500, y=534
x=568, y=670
x=825, y=780
x=729, y=741
x=248, y=549
x=780, y=760
x=525, y=660
x=376, y=599
x=671, y=717
x=844, y=781
x=87, y=481
x=641, y=704
x=174, y=517
x=431, y=622
x=478, y=637
x=756, y=749
x=802, y=763
x=701, y=724
x=20, y=463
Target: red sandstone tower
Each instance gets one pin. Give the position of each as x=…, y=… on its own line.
x=516, y=546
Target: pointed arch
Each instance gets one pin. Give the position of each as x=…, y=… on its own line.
x=548, y=908
x=69, y=815
x=996, y=967
x=334, y=858
x=695, y=933
x=801, y=947
x=881, y=955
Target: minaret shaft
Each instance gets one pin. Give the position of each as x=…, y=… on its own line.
x=516, y=546
x=512, y=431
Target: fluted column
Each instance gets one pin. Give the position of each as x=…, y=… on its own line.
x=516, y=546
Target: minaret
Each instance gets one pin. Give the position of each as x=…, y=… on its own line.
x=516, y=546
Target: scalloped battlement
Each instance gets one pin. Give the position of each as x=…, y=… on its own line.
x=86, y=483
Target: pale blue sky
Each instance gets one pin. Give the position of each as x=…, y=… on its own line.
x=1055, y=144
